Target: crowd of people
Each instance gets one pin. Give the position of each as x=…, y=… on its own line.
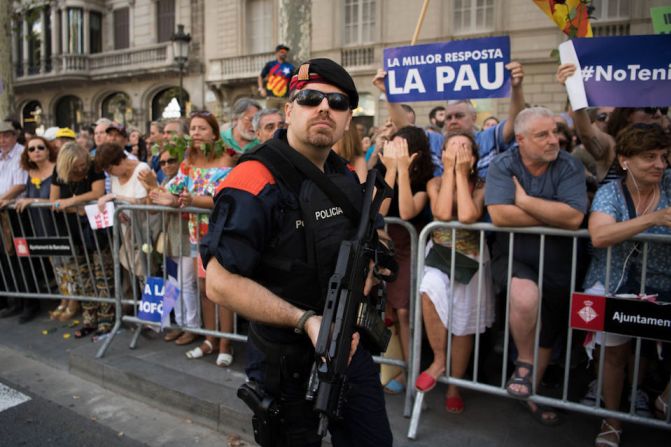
x=604, y=169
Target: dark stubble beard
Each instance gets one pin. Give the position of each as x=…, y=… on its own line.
x=321, y=139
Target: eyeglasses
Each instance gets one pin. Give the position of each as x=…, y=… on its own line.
x=39, y=147
x=169, y=161
x=312, y=98
x=653, y=110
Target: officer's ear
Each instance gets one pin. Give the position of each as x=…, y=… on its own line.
x=288, y=107
x=349, y=120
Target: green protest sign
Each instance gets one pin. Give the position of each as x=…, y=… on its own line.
x=661, y=19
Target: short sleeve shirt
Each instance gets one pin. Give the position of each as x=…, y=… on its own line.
x=277, y=74
x=610, y=200
x=199, y=182
x=133, y=187
x=11, y=173
x=563, y=181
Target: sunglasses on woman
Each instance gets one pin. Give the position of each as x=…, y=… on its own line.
x=39, y=147
x=169, y=161
x=653, y=110
x=312, y=98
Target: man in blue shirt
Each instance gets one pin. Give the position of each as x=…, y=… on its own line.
x=536, y=184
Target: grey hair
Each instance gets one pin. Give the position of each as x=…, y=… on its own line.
x=106, y=121
x=521, y=123
x=469, y=104
x=241, y=106
x=158, y=124
x=182, y=124
x=260, y=114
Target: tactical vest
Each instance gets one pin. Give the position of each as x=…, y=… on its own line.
x=300, y=259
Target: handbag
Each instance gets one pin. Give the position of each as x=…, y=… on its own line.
x=440, y=257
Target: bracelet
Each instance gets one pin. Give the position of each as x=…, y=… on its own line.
x=300, y=326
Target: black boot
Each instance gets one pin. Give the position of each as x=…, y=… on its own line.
x=30, y=310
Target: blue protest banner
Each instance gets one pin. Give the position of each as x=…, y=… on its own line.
x=620, y=71
x=151, y=306
x=461, y=69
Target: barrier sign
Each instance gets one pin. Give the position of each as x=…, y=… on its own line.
x=42, y=246
x=460, y=69
x=625, y=316
x=151, y=306
x=619, y=71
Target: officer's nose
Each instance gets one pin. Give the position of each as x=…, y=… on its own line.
x=324, y=105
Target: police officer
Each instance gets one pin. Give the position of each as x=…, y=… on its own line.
x=272, y=244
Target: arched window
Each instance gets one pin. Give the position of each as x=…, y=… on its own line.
x=31, y=116
x=167, y=104
x=117, y=107
x=68, y=112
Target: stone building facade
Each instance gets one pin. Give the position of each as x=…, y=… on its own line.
x=114, y=57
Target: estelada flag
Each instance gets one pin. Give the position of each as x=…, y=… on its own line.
x=571, y=16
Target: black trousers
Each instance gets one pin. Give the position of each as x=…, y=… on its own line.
x=364, y=422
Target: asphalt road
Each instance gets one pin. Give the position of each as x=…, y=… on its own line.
x=39, y=422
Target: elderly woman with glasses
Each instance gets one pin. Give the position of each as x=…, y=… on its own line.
x=195, y=184
x=639, y=203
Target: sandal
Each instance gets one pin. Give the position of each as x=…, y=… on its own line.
x=454, y=404
x=394, y=387
x=172, y=335
x=186, y=338
x=540, y=411
x=224, y=359
x=54, y=314
x=518, y=379
x=201, y=351
x=83, y=332
x=608, y=432
x=661, y=408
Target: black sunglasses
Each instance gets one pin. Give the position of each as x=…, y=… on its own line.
x=653, y=110
x=39, y=147
x=169, y=161
x=312, y=98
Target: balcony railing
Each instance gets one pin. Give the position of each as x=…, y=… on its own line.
x=98, y=66
x=610, y=29
x=229, y=69
x=358, y=57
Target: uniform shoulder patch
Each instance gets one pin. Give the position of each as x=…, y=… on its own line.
x=251, y=176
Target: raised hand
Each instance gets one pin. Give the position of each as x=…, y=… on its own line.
x=565, y=71
x=148, y=179
x=464, y=160
x=516, y=73
x=378, y=80
x=388, y=156
x=403, y=157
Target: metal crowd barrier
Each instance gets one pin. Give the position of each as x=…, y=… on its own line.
x=562, y=402
x=38, y=241
x=142, y=214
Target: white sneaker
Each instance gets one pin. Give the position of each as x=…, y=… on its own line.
x=589, y=398
x=641, y=403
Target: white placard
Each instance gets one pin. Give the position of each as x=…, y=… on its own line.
x=99, y=220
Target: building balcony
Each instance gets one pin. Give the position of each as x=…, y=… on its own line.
x=100, y=66
x=228, y=70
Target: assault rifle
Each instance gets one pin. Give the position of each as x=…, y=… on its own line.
x=347, y=310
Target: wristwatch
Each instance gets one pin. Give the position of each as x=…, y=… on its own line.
x=300, y=326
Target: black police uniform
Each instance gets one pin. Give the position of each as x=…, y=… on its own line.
x=287, y=240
